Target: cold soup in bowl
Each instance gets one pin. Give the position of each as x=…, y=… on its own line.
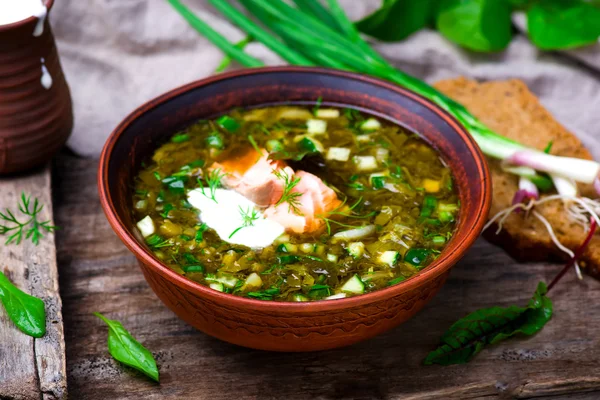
x=293, y=203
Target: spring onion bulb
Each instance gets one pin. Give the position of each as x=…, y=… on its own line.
x=580, y=170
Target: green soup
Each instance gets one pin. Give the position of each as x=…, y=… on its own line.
x=379, y=207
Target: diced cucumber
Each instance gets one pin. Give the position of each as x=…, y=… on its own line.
x=336, y=296
x=218, y=286
x=356, y=249
x=338, y=154
x=446, y=211
x=146, y=226
x=327, y=113
x=390, y=258
x=283, y=238
x=316, y=126
x=141, y=205
x=310, y=145
x=227, y=280
x=377, y=181
x=365, y=163
x=274, y=145
x=382, y=155
x=287, y=248
x=370, y=124
x=307, y=247
x=332, y=258
x=299, y=297
x=354, y=285
x=215, y=141
x=253, y=281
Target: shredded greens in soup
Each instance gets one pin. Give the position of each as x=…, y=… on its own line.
x=295, y=204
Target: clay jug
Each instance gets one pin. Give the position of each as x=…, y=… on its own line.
x=36, y=115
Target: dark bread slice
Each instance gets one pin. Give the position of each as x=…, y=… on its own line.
x=509, y=108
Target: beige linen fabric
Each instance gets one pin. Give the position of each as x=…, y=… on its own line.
x=118, y=54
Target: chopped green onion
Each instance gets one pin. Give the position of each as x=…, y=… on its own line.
x=397, y=280
x=429, y=206
x=193, y=268
x=228, y=123
x=416, y=256
x=180, y=138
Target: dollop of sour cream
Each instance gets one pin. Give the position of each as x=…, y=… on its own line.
x=12, y=11
x=228, y=214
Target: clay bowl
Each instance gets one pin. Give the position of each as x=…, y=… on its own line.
x=285, y=326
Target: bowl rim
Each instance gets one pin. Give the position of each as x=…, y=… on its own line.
x=28, y=20
x=442, y=265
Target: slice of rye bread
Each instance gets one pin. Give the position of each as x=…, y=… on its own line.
x=510, y=109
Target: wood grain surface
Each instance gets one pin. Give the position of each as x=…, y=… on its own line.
x=32, y=368
x=97, y=273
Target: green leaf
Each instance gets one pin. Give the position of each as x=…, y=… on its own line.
x=397, y=19
x=26, y=312
x=487, y=326
x=124, y=348
x=479, y=25
x=563, y=24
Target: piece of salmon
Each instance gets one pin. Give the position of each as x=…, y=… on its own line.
x=314, y=204
x=252, y=175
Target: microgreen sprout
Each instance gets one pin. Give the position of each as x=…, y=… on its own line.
x=32, y=228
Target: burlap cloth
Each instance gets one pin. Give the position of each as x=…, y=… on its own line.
x=119, y=53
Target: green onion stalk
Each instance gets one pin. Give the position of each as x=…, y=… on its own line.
x=312, y=34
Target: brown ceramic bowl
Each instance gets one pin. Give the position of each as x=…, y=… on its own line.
x=286, y=326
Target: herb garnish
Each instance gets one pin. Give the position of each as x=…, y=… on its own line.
x=292, y=198
x=31, y=228
x=255, y=145
x=25, y=311
x=124, y=348
x=214, y=182
x=346, y=214
x=249, y=216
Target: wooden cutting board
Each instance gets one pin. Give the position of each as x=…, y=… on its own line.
x=32, y=368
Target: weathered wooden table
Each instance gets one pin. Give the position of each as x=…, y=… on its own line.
x=97, y=273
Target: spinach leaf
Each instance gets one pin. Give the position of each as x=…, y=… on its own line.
x=563, y=24
x=397, y=19
x=124, y=348
x=487, y=326
x=479, y=25
x=26, y=312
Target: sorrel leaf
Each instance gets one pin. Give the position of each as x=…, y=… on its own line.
x=488, y=326
x=397, y=19
x=563, y=24
x=480, y=25
x=124, y=348
x=26, y=312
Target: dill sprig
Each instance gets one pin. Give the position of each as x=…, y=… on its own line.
x=349, y=213
x=32, y=228
x=213, y=180
x=249, y=216
x=292, y=198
